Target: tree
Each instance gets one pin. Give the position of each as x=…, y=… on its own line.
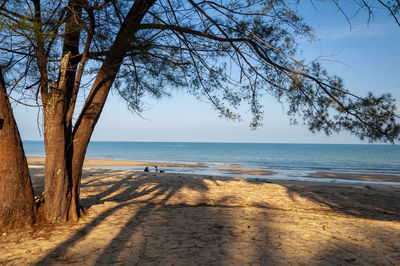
x=227, y=52
x=391, y=6
x=17, y=206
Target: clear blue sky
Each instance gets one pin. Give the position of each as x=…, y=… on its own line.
x=366, y=56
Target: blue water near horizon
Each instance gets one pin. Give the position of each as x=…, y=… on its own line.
x=273, y=156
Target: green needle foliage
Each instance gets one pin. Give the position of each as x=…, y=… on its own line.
x=226, y=52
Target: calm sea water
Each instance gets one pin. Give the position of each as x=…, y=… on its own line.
x=305, y=157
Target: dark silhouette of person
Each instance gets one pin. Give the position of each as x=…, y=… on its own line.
x=146, y=169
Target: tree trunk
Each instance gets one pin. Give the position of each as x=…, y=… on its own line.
x=57, y=192
x=98, y=95
x=65, y=155
x=58, y=181
x=17, y=207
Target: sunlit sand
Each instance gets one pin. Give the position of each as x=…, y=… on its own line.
x=180, y=219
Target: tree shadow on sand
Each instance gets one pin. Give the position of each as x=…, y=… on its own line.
x=160, y=228
x=188, y=240
x=362, y=201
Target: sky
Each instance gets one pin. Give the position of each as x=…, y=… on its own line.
x=365, y=55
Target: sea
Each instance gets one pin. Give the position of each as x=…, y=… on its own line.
x=288, y=161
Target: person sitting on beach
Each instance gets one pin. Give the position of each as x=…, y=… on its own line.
x=156, y=168
x=146, y=169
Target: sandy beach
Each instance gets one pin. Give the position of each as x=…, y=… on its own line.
x=137, y=218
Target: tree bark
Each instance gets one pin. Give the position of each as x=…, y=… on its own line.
x=17, y=207
x=65, y=154
x=98, y=95
x=57, y=192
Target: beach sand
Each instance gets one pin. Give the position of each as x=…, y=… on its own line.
x=39, y=161
x=137, y=218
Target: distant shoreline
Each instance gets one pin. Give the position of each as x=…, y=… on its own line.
x=236, y=170
x=281, y=160
x=231, y=142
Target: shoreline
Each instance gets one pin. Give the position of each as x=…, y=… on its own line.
x=238, y=171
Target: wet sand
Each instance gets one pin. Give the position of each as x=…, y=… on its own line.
x=358, y=176
x=39, y=161
x=137, y=218
x=227, y=169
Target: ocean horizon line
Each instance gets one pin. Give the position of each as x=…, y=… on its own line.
x=229, y=142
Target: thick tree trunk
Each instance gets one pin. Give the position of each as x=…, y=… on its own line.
x=58, y=182
x=17, y=207
x=98, y=95
x=65, y=154
x=57, y=192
